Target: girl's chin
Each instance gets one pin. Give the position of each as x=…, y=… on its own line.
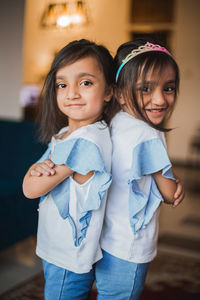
x=156, y=121
x=156, y=118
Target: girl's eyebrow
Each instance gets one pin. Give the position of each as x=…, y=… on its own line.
x=171, y=81
x=86, y=74
x=83, y=74
x=145, y=82
x=153, y=82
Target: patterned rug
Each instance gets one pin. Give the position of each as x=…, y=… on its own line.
x=171, y=277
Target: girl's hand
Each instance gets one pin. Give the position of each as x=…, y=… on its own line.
x=179, y=194
x=45, y=168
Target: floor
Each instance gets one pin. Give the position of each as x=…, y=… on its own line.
x=179, y=232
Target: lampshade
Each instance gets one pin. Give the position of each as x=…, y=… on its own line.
x=64, y=14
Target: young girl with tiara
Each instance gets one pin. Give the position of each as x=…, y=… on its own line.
x=76, y=111
x=147, y=83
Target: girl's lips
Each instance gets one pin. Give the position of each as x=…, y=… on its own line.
x=75, y=105
x=156, y=110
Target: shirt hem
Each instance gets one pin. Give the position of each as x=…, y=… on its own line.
x=78, y=270
x=133, y=259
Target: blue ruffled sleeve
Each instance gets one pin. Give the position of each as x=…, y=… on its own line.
x=82, y=156
x=78, y=154
x=148, y=157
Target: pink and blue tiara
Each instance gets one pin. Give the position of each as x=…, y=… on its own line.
x=144, y=48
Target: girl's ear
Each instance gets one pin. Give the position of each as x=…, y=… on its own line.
x=120, y=98
x=108, y=94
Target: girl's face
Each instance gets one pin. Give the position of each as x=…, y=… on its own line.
x=81, y=91
x=157, y=96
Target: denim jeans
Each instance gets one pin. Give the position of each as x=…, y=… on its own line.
x=118, y=279
x=61, y=284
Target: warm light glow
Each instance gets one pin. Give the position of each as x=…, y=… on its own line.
x=63, y=21
x=76, y=19
x=64, y=14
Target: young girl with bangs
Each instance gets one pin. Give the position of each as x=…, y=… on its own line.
x=147, y=83
x=75, y=114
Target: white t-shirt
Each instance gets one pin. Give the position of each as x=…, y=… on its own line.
x=71, y=215
x=130, y=228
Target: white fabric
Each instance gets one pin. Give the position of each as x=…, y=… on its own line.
x=117, y=237
x=55, y=241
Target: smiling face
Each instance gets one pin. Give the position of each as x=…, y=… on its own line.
x=81, y=91
x=155, y=96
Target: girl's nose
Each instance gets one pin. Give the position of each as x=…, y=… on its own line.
x=72, y=92
x=158, y=98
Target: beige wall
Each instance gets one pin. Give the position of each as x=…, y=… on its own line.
x=107, y=26
x=186, y=44
x=11, y=33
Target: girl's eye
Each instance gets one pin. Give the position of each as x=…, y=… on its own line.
x=61, y=85
x=145, y=89
x=86, y=83
x=169, y=89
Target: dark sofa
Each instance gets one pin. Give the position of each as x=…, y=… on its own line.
x=19, y=149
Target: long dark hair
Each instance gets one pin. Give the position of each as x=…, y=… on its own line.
x=50, y=118
x=140, y=65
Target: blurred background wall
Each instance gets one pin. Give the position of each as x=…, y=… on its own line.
x=11, y=60
x=27, y=50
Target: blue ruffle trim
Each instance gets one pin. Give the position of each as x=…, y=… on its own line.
x=148, y=157
x=82, y=156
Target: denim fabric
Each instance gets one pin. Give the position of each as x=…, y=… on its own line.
x=61, y=284
x=118, y=279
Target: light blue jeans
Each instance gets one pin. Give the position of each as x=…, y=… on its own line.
x=61, y=284
x=118, y=279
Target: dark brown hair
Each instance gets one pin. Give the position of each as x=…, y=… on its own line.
x=51, y=119
x=140, y=65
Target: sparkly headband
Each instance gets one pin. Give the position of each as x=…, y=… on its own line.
x=144, y=48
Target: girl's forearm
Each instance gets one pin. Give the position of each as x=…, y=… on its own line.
x=34, y=186
x=167, y=187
